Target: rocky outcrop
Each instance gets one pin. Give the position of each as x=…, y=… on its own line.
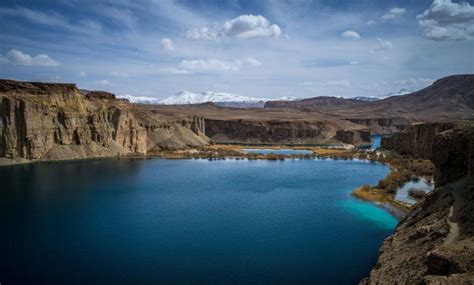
x=382, y=126
x=434, y=243
x=417, y=140
x=354, y=137
x=315, y=102
x=274, y=131
x=47, y=121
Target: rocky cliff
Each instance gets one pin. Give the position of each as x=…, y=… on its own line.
x=279, y=131
x=49, y=121
x=417, y=140
x=434, y=243
x=382, y=126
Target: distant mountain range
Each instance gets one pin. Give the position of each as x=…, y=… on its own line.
x=218, y=98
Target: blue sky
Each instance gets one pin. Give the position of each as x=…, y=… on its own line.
x=264, y=48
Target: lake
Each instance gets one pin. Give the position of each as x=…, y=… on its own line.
x=189, y=221
x=287, y=151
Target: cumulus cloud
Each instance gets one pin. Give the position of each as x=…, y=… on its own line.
x=336, y=83
x=217, y=65
x=446, y=20
x=383, y=45
x=393, y=14
x=244, y=26
x=167, y=44
x=350, y=35
x=82, y=74
x=17, y=57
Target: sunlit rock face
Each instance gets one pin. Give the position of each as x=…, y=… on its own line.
x=49, y=121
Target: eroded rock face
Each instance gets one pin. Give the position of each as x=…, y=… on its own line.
x=45, y=121
x=353, y=136
x=416, y=140
x=434, y=243
x=272, y=131
x=382, y=126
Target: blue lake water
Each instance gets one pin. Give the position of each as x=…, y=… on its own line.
x=189, y=221
x=277, y=151
x=422, y=184
x=376, y=139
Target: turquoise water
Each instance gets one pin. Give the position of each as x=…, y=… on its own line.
x=277, y=151
x=189, y=221
x=376, y=141
x=422, y=184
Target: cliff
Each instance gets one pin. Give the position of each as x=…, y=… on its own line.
x=382, y=126
x=279, y=131
x=417, y=140
x=434, y=243
x=51, y=121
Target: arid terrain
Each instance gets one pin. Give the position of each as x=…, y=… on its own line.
x=53, y=121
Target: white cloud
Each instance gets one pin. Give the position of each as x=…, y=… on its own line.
x=167, y=44
x=350, y=35
x=446, y=20
x=82, y=74
x=336, y=83
x=177, y=71
x=383, y=45
x=52, y=19
x=252, y=61
x=244, y=26
x=393, y=14
x=217, y=65
x=118, y=73
x=19, y=58
x=210, y=64
x=414, y=81
x=371, y=22
x=354, y=62
x=102, y=83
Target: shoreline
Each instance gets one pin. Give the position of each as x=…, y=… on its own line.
x=380, y=197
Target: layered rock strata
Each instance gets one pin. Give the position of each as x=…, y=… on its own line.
x=434, y=243
x=49, y=121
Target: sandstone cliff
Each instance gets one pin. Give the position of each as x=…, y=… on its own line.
x=382, y=126
x=49, y=121
x=280, y=131
x=434, y=243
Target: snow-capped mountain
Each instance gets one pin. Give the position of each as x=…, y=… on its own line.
x=187, y=97
x=366, y=99
x=140, y=99
x=400, y=92
x=219, y=98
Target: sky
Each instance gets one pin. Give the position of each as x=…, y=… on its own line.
x=266, y=48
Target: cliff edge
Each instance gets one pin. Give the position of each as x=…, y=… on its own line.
x=434, y=243
x=53, y=121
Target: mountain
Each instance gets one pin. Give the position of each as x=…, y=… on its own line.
x=321, y=101
x=140, y=99
x=218, y=98
x=367, y=99
x=402, y=91
x=448, y=96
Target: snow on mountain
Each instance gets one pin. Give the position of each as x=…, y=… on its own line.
x=187, y=97
x=366, y=99
x=140, y=99
x=400, y=92
x=219, y=98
